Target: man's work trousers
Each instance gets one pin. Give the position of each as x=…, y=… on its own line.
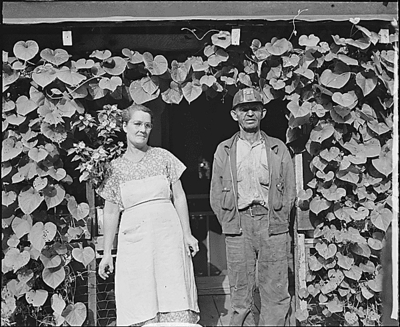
x=271, y=252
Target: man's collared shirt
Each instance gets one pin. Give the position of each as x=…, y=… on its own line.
x=252, y=173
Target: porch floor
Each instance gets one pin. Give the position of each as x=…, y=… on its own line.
x=214, y=301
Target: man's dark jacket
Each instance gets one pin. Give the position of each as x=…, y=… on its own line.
x=224, y=189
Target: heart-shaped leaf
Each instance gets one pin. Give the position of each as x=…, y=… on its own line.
x=150, y=84
x=52, y=262
x=96, y=91
x=25, y=105
x=44, y=75
x=191, y=91
x=85, y=255
x=375, y=244
x=139, y=95
x=335, y=306
x=305, y=195
x=348, y=100
x=36, y=297
x=114, y=65
x=40, y=234
x=74, y=233
x=314, y=264
x=16, y=259
x=219, y=56
x=40, y=183
x=330, y=154
x=326, y=251
x=101, y=54
x=245, y=80
x=345, y=261
x=367, y=85
x=21, y=226
x=321, y=133
x=8, y=198
x=25, y=50
x=208, y=80
x=179, y=71
x=75, y=314
x=110, y=83
x=326, y=177
x=309, y=41
x=278, y=47
x=157, y=65
x=67, y=108
x=376, y=284
x=314, y=290
x=83, y=63
x=366, y=293
x=337, y=81
x=368, y=267
x=15, y=119
x=301, y=314
x=134, y=57
x=349, y=175
x=304, y=71
x=384, y=163
x=221, y=39
x=69, y=77
x=378, y=128
x=333, y=193
x=58, y=174
x=381, y=218
x=78, y=211
x=319, y=204
x=297, y=110
x=361, y=249
x=277, y=84
x=55, y=200
x=37, y=154
x=354, y=272
x=173, y=95
x=57, y=303
x=372, y=148
x=56, y=57
x=199, y=65
x=53, y=278
x=29, y=200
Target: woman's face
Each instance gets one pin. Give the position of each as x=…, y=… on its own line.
x=138, y=128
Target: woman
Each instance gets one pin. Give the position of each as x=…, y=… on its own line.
x=154, y=279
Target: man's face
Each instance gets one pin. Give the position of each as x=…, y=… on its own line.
x=249, y=116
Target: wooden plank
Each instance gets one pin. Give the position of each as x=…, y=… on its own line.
x=92, y=296
x=223, y=305
x=213, y=285
x=302, y=268
x=209, y=315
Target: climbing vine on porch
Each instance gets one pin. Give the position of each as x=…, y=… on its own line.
x=60, y=116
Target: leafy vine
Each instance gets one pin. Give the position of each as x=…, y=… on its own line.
x=339, y=99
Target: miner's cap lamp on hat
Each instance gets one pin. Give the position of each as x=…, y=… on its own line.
x=245, y=96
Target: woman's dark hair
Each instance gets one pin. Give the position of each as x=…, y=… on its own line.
x=127, y=112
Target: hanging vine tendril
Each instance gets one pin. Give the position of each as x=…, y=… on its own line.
x=193, y=32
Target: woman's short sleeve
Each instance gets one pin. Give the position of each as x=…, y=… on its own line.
x=175, y=167
x=109, y=189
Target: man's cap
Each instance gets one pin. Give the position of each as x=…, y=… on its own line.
x=245, y=96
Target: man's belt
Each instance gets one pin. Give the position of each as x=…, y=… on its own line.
x=255, y=210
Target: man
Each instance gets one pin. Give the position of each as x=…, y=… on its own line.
x=252, y=193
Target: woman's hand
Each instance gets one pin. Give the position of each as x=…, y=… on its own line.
x=106, y=266
x=192, y=245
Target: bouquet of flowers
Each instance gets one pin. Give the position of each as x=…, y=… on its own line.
x=94, y=159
